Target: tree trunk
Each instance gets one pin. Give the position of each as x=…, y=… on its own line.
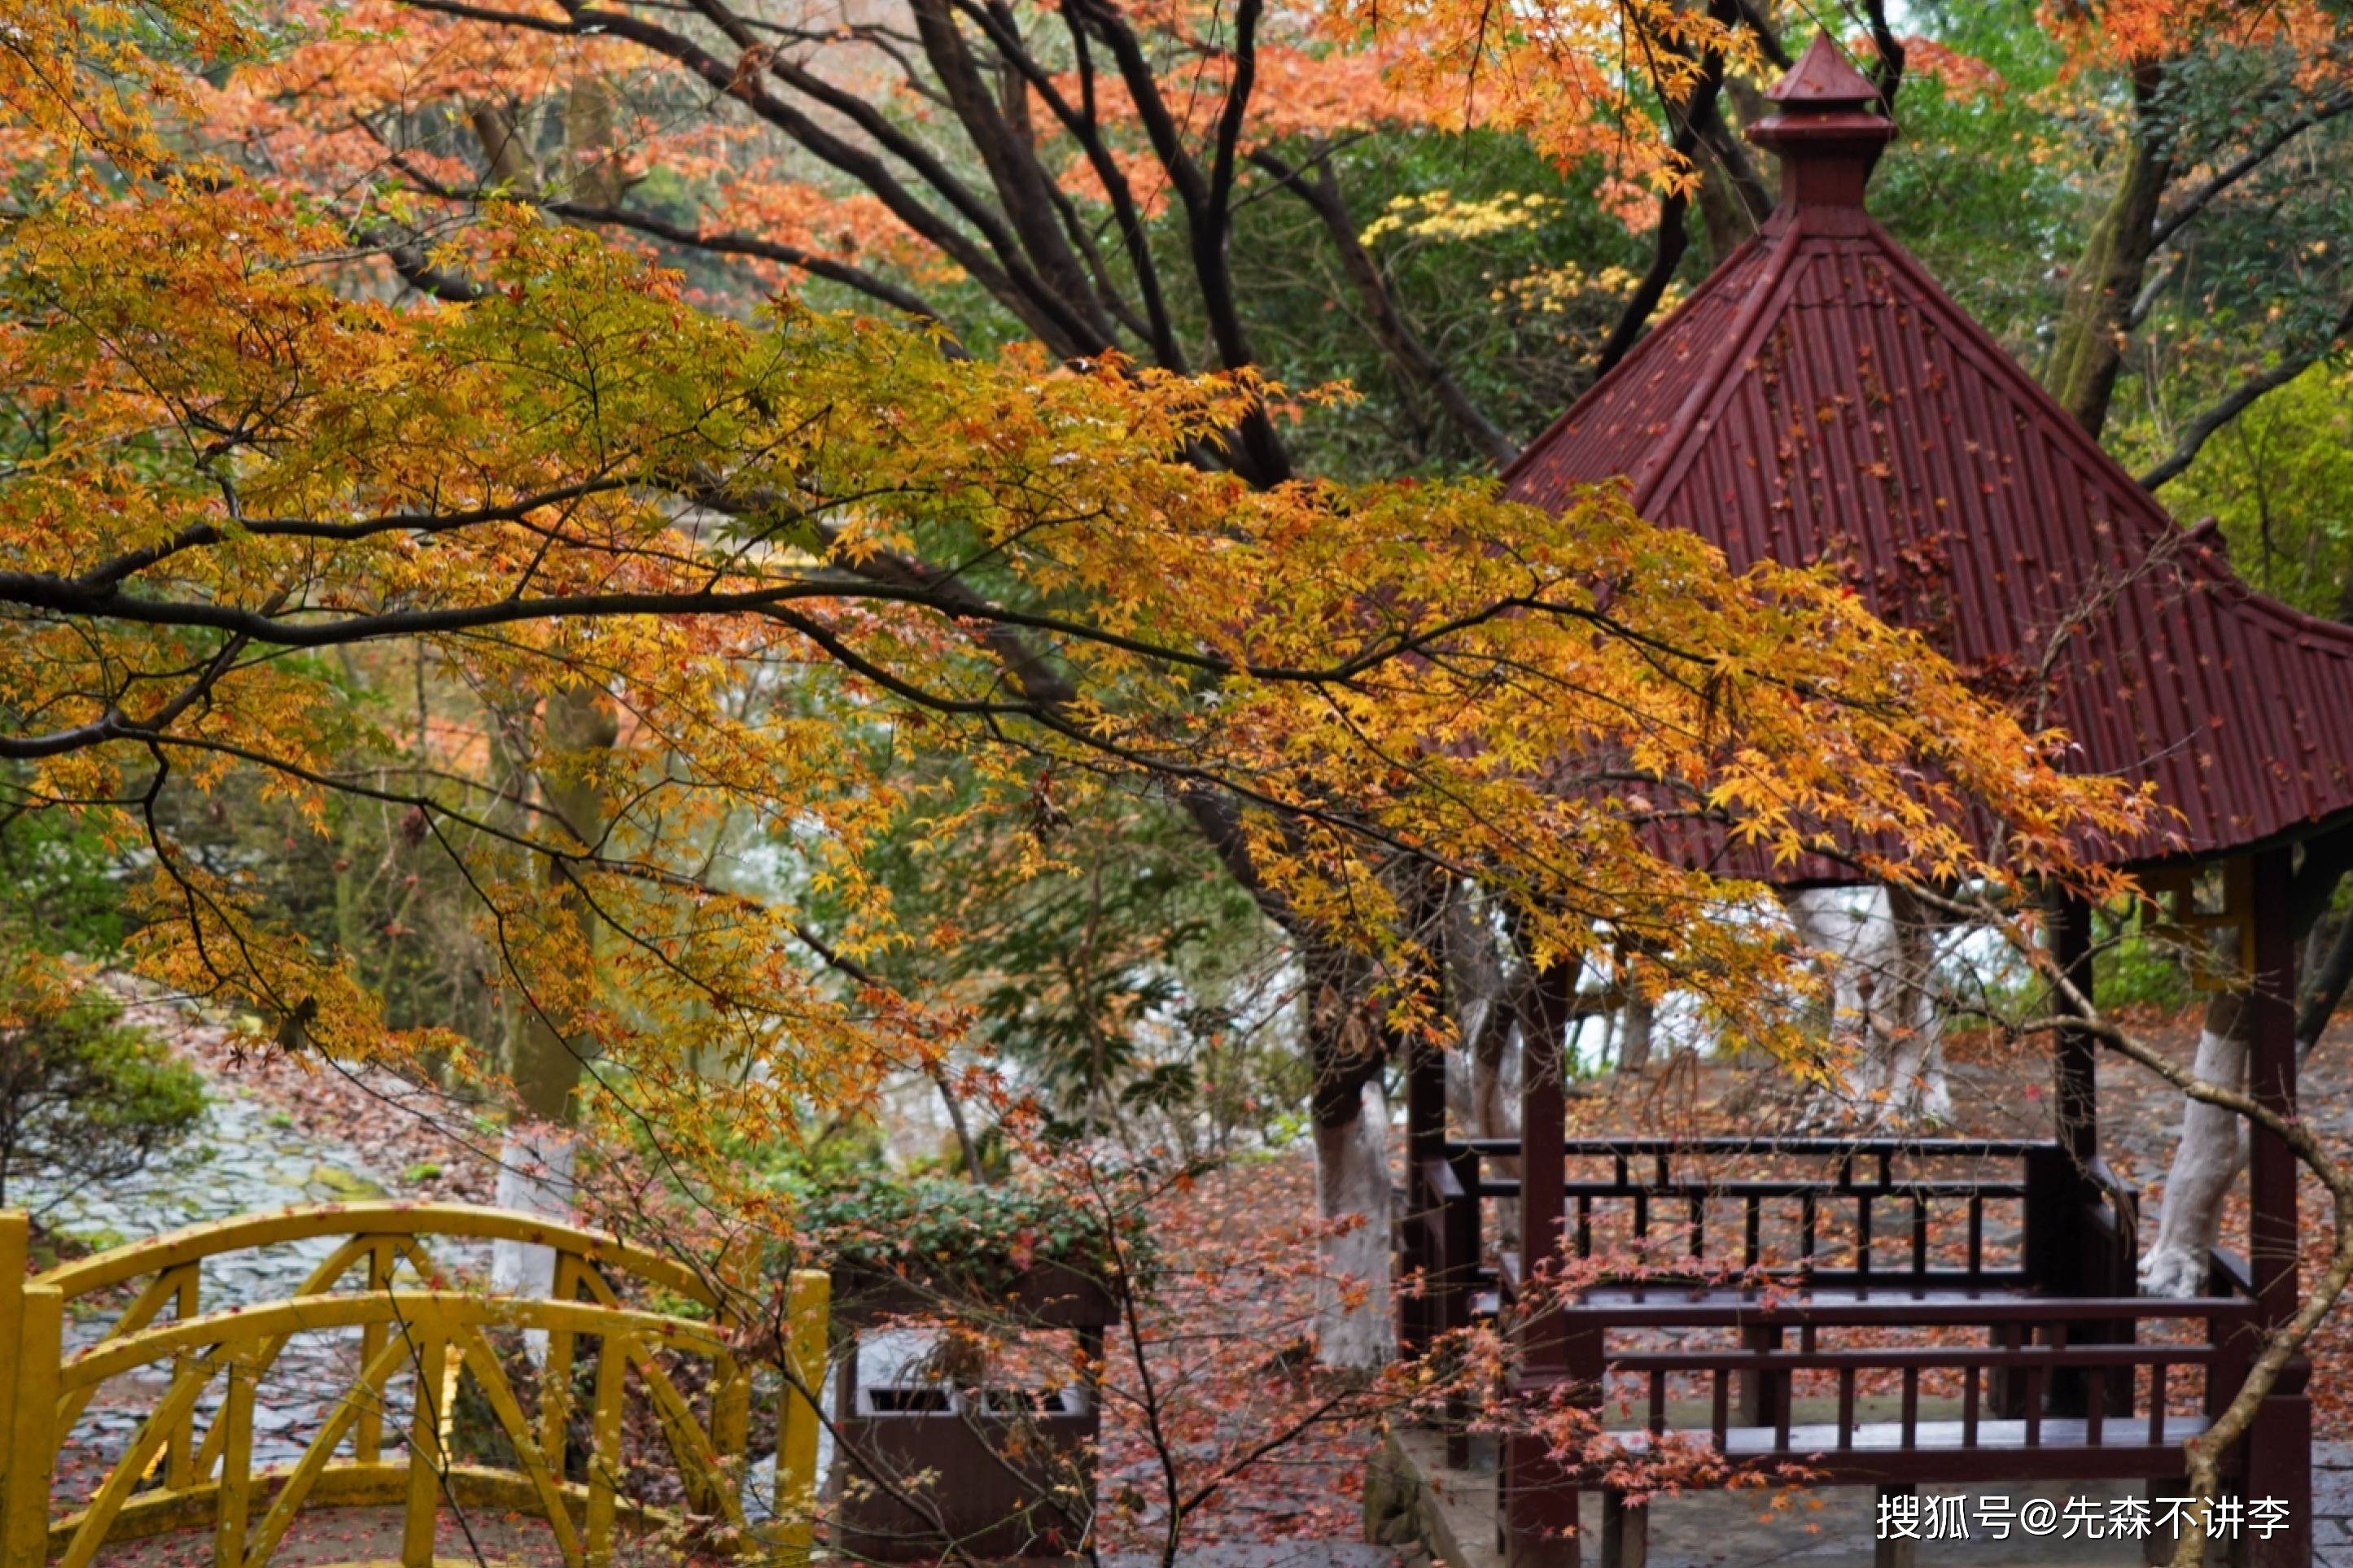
x=1481, y=1090
x=1918, y=1055
x=1353, y=1288
x=2090, y=345
x=1349, y=1046
x=1484, y=985
x=1635, y=1024
x=534, y=1177
x=535, y=1173
x=1880, y=954
x=2213, y=1148
x=2325, y=975
x=2205, y=1162
x=544, y=1064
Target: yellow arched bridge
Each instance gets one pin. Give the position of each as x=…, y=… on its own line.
x=424, y=1430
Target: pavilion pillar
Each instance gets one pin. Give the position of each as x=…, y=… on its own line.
x=1544, y=1134
x=2076, y=1097
x=2072, y=1251
x=2279, y=1443
x=1554, y=1361
x=1423, y=1314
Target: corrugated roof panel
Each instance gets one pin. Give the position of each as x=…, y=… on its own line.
x=1821, y=395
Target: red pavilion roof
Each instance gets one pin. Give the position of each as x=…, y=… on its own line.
x=1820, y=397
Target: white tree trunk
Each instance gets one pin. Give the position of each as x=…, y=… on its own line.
x=535, y=1178
x=1881, y=956
x=1917, y=1062
x=1353, y=1327
x=2212, y=1150
x=1483, y=1075
x=1482, y=1080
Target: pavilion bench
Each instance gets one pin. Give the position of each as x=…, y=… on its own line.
x=1733, y=1279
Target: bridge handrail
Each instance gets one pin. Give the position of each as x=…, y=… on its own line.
x=194, y=1243
x=315, y=1314
x=434, y=1336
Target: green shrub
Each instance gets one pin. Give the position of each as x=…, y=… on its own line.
x=83, y=1096
x=966, y=1238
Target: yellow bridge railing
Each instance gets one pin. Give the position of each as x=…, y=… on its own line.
x=381, y=1286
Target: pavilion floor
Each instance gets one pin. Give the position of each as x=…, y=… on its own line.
x=1827, y=1527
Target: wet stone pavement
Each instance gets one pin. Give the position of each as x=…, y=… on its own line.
x=247, y=1158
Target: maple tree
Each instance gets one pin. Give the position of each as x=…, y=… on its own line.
x=243, y=496
x=1082, y=172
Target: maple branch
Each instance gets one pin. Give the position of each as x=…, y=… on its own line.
x=2242, y=397
x=732, y=243
x=114, y=724
x=1323, y=197
x=1012, y=288
x=1731, y=154
x=1029, y=196
x=1152, y=109
x=1673, y=205
x=1887, y=70
x=1235, y=110
x=1643, y=302
x=198, y=535
x=408, y=261
x=1079, y=120
x=1031, y=254
x=1262, y=457
x=728, y=243
x=1012, y=233
x=1768, y=37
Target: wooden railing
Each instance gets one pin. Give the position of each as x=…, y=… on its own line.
x=1988, y=1219
x=1631, y=1194
x=1970, y=1214
x=2027, y=1387
x=382, y=1284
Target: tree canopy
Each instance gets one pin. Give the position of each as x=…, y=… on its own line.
x=656, y=621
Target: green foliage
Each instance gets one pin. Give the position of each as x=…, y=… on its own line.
x=2139, y=971
x=967, y=1241
x=1515, y=307
x=1985, y=183
x=380, y=885
x=2279, y=479
x=1109, y=962
x=84, y=1099
x=61, y=885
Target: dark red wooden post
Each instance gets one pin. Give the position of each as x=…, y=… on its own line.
x=2080, y=1254
x=2279, y=1445
x=1423, y=1316
x=1539, y=1505
x=1544, y=1136
x=2077, y=1094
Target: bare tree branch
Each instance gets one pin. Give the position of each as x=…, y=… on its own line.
x=2242, y=397
x=1321, y=195
x=2199, y=200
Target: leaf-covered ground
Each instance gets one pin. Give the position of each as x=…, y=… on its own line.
x=1241, y=1232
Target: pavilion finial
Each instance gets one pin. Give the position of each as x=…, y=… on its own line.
x=1823, y=78
x=1827, y=128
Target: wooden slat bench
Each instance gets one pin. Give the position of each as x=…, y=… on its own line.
x=2005, y=1267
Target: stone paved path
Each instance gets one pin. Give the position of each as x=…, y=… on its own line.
x=246, y=1157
